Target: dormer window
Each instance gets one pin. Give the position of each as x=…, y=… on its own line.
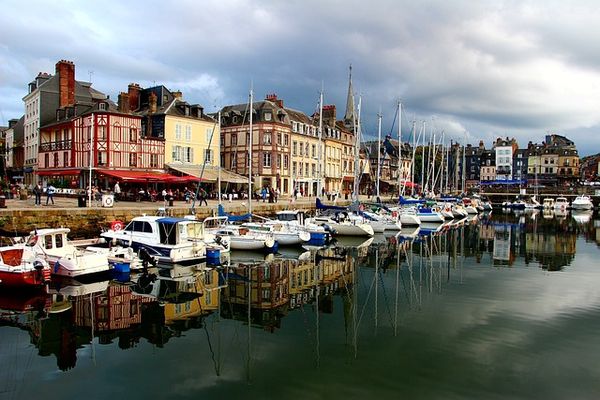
x=268, y=116
x=102, y=107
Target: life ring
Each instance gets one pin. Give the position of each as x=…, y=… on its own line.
x=108, y=202
x=116, y=225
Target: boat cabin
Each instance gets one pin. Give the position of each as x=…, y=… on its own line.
x=291, y=215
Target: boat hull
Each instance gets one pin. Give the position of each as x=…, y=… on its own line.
x=24, y=279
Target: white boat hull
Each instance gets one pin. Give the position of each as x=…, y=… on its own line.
x=243, y=243
x=349, y=229
x=409, y=220
x=431, y=217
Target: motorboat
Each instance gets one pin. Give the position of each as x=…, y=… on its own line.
x=343, y=225
x=170, y=239
x=386, y=223
x=65, y=259
x=20, y=267
x=582, y=202
x=319, y=235
x=548, y=203
x=561, y=203
x=582, y=216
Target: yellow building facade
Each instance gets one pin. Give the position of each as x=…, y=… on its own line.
x=192, y=140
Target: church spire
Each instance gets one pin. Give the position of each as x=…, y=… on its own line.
x=350, y=117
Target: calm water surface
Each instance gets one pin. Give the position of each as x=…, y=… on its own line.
x=504, y=307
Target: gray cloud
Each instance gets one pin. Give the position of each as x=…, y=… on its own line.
x=491, y=68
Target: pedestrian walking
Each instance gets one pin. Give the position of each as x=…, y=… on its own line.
x=263, y=193
x=50, y=194
x=37, y=191
x=203, y=196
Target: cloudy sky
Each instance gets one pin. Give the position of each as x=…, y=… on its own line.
x=508, y=68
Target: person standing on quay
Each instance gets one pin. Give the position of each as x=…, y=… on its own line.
x=37, y=191
x=50, y=194
x=117, y=191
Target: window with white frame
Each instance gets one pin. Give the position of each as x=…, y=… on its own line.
x=177, y=132
x=188, y=133
x=267, y=138
x=286, y=161
x=266, y=159
x=209, y=132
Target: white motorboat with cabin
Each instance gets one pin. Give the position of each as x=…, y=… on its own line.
x=582, y=202
x=52, y=245
x=548, y=203
x=172, y=240
x=561, y=203
x=319, y=235
x=21, y=267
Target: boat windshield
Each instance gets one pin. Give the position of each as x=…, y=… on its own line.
x=286, y=217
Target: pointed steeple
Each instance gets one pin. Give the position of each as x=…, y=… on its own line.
x=350, y=117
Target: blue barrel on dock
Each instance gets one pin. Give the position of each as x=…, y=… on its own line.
x=121, y=267
x=213, y=256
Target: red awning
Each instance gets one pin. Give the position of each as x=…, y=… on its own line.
x=58, y=172
x=183, y=179
x=136, y=176
x=348, y=179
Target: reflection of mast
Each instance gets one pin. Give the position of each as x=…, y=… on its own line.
x=376, y=285
x=397, y=287
x=317, y=290
x=249, y=322
x=92, y=319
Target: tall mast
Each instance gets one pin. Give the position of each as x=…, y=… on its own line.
x=423, y=162
x=220, y=166
x=400, y=170
x=357, y=151
x=91, y=159
x=320, y=162
x=378, y=151
x=250, y=156
x=463, y=163
x=447, y=168
x=412, y=161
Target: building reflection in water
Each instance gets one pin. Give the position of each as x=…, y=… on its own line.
x=391, y=271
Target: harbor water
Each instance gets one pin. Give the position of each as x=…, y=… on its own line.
x=504, y=306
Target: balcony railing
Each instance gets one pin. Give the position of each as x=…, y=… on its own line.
x=53, y=146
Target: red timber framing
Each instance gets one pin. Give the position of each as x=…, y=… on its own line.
x=116, y=143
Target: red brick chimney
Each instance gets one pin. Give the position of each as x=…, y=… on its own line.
x=329, y=114
x=66, y=83
x=134, y=96
x=152, y=102
x=123, y=102
x=273, y=97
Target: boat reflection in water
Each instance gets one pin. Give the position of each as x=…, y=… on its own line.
x=384, y=295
